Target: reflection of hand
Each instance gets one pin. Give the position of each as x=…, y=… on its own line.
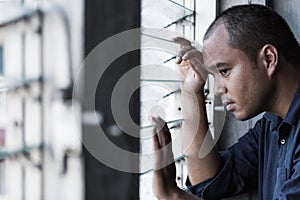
x=190, y=62
x=164, y=185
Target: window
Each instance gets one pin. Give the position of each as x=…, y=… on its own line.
x=160, y=82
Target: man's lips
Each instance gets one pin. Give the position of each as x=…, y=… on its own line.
x=228, y=102
x=229, y=105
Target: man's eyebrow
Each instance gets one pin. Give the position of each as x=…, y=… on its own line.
x=217, y=65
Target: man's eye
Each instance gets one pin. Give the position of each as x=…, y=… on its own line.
x=223, y=72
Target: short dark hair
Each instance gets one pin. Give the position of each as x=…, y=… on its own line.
x=252, y=26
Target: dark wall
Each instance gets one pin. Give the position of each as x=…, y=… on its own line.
x=103, y=19
x=290, y=11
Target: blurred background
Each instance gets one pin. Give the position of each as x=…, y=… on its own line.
x=43, y=44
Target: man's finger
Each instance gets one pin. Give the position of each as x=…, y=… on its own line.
x=156, y=123
x=193, y=53
x=164, y=136
x=156, y=145
x=185, y=49
x=157, y=152
x=162, y=130
x=182, y=41
x=182, y=52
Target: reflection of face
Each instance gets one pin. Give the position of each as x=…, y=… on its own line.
x=243, y=86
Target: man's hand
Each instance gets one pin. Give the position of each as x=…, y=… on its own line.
x=164, y=185
x=192, y=71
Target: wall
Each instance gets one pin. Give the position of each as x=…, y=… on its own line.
x=104, y=19
x=290, y=12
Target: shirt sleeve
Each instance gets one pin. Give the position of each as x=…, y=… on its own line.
x=238, y=172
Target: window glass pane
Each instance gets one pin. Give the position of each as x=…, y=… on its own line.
x=161, y=13
x=160, y=80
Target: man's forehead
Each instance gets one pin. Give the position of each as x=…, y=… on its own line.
x=218, y=36
x=215, y=45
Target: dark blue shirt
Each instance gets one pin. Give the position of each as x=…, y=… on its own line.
x=266, y=158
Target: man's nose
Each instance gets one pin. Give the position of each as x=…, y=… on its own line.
x=219, y=87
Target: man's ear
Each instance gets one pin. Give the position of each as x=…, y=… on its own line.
x=268, y=56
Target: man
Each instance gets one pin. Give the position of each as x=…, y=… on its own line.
x=255, y=60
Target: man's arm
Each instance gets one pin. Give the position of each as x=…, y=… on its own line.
x=195, y=123
x=195, y=130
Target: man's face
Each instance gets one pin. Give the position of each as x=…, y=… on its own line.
x=243, y=86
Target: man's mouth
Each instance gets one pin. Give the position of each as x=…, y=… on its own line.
x=229, y=105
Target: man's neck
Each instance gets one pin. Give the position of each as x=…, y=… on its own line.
x=286, y=86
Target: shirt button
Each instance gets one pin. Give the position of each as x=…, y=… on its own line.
x=282, y=141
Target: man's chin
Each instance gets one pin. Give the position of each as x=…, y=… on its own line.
x=241, y=116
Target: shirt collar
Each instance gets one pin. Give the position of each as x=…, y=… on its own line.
x=276, y=120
